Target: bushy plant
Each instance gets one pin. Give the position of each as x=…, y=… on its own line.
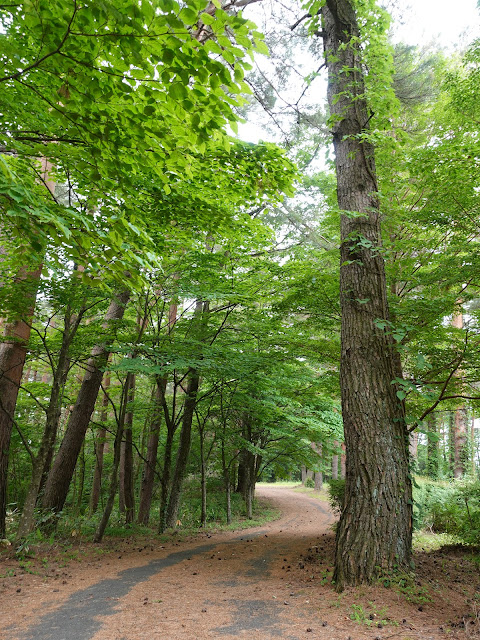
x=336, y=494
x=309, y=483
x=449, y=507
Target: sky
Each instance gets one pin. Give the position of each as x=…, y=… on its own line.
x=449, y=23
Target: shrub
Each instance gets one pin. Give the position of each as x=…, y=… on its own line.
x=452, y=507
x=336, y=494
x=309, y=483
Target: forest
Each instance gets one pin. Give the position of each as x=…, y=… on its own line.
x=184, y=313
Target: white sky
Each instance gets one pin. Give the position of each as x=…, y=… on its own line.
x=449, y=23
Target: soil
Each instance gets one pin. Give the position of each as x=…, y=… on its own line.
x=268, y=582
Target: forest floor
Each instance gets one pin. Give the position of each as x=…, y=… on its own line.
x=269, y=582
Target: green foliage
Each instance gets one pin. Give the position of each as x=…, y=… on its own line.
x=336, y=494
x=309, y=483
x=452, y=508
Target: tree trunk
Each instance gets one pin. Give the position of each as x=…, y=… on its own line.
x=318, y=480
x=304, y=473
x=148, y=478
x=227, y=484
x=52, y=421
x=80, y=484
x=100, y=449
x=335, y=462
x=343, y=462
x=183, y=449
x=61, y=473
x=117, y=446
x=13, y=350
x=128, y=483
x=375, y=529
x=203, y=478
x=432, y=447
x=460, y=443
x=241, y=482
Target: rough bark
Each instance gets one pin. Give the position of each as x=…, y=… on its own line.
x=61, y=473
x=375, y=529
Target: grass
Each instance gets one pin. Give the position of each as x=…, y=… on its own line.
x=428, y=541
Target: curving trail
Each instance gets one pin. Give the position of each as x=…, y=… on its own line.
x=225, y=586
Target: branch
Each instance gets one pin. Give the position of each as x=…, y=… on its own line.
x=444, y=388
x=47, y=55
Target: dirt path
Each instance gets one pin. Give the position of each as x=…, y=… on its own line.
x=272, y=582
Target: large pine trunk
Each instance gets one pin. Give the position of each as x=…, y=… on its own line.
x=375, y=530
x=61, y=473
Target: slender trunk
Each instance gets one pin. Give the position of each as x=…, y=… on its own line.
x=413, y=446
x=250, y=488
x=335, y=462
x=472, y=445
x=166, y=476
x=100, y=449
x=60, y=476
x=451, y=443
x=375, y=529
x=343, y=462
x=121, y=480
x=203, y=480
x=148, y=479
x=200, y=322
x=241, y=482
x=432, y=447
x=47, y=444
x=128, y=482
x=304, y=473
x=114, y=472
x=13, y=350
x=183, y=449
x=460, y=443
x=80, y=484
x=227, y=484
